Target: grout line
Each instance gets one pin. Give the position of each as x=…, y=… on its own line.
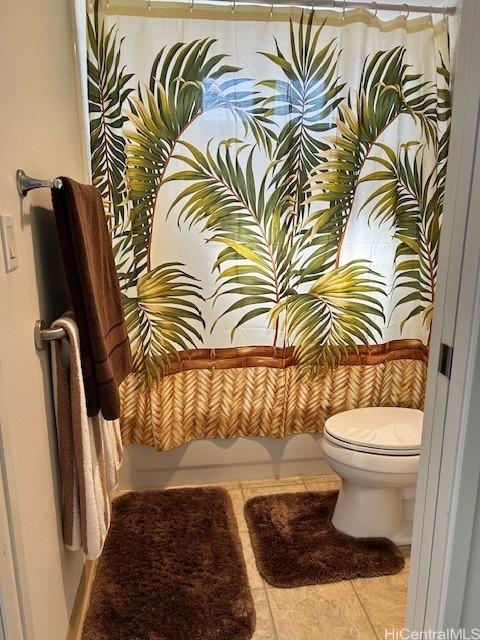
x=273, y=482
x=265, y=588
x=272, y=616
x=264, y=584
x=365, y=611
x=243, y=494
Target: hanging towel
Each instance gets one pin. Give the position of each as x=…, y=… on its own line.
x=90, y=450
x=95, y=293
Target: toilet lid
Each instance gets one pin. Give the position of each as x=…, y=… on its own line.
x=378, y=429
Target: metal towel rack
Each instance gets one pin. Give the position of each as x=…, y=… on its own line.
x=41, y=333
x=27, y=183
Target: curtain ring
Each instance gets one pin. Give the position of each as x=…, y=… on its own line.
x=271, y=9
x=344, y=10
x=407, y=9
x=375, y=4
x=232, y=6
x=191, y=5
x=149, y=5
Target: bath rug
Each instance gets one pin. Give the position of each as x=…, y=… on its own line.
x=295, y=543
x=172, y=568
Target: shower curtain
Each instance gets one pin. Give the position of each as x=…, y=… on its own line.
x=273, y=180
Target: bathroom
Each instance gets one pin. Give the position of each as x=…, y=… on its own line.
x=287, y=196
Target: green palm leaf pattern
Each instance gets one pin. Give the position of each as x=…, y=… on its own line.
x=335, y=314
x=279, y=201
x=306, y=98
x=185, y=81
x=225, y=200
x=161, y=319
x=386, y=92
x=444, y=114
x=412, y=204
x=108, y=91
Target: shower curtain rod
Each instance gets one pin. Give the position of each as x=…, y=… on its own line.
x=329, y=4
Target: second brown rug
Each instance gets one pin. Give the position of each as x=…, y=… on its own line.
x=295, y=543
x=172, y=569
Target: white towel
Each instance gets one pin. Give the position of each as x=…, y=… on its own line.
x=90, y=450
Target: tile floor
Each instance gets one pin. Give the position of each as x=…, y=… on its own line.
x=350, y=610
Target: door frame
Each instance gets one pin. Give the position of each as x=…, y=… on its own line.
x=449, y=465
x=10, y=600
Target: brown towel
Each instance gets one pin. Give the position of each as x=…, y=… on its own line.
x=95, y=293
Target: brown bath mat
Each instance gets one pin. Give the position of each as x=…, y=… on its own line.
x=172, y=569
x=295, y=544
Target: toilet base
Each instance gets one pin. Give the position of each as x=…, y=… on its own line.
x=385, y=512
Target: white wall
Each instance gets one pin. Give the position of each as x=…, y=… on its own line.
x=39, y=133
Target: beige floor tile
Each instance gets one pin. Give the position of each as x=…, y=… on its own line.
x=330, y=482
x=235, y=484
x=330, y=611
x=384, y=599
x=265, y=491
x=327, y=477
x=224, y=485
x=406, y=550
x=270, y=482
x=323, y=485
x=357, y=610
x=264, y=629
x=238, y=504
x=254, y=578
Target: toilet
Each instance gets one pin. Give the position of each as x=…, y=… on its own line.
x=375, y=451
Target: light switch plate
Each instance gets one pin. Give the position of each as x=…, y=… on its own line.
x=8, y=242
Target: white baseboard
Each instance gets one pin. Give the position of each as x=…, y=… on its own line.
x=223, y=460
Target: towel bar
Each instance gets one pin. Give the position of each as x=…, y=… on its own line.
x=42, y=334
x=27, y=183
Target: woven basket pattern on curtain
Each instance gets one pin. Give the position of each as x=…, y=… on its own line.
x=260, y=401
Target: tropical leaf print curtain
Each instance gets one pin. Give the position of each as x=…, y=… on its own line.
x=273, y=183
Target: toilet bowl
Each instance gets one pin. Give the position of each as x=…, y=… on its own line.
x=376, y=452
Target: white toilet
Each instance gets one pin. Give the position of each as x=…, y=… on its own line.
x=375, y=451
